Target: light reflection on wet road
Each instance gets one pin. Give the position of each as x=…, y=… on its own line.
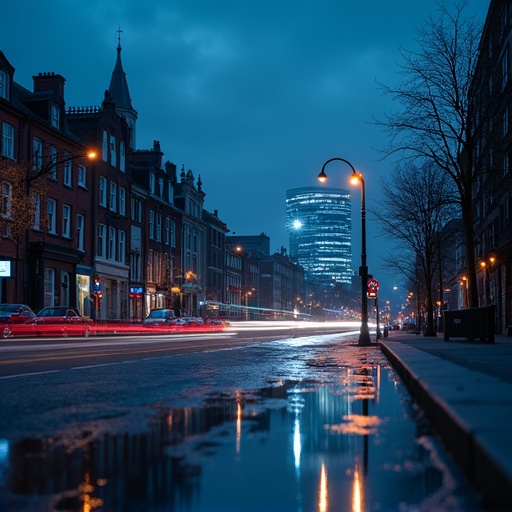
x=306, y=424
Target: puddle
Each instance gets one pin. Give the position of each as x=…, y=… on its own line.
x=353, y=444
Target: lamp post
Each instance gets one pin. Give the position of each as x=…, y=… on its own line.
x=357, y=177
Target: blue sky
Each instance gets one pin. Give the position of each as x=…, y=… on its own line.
x=253, y=95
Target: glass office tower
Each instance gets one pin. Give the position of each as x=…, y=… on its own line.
x=319, y=221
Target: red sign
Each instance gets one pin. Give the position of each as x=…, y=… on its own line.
x=373, y=285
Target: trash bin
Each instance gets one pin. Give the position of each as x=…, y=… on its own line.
x=471, y=324
x=386, y=332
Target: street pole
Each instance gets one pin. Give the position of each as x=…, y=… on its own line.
x=364, y=335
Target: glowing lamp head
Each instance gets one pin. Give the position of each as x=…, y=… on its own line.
x=322, y=177
x=91, y=155
x=297, y=224
x=355, y=179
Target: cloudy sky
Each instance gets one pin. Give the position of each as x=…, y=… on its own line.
x=253, y=95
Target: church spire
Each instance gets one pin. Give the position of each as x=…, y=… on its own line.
x=120, y=93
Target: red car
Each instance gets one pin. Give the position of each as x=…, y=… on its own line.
x=11, y=316
x=61, y=321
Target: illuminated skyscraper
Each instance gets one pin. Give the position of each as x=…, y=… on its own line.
x=319, y=221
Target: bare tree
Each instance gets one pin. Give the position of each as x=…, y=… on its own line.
x=434, y=121
x=20, y=198
x=417, y=203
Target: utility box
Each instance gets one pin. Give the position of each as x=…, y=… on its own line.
x=471, y=324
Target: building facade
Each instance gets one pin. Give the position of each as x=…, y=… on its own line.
x=491, y=114
x=319, y=222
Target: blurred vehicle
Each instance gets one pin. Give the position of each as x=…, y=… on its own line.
x=160, y=317
x=61, y=320
x=190, y=321
x=11, y=316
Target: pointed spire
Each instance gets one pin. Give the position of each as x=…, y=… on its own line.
x=120, y=94
x=118, y=85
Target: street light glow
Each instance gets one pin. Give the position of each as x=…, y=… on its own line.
x=297, y=224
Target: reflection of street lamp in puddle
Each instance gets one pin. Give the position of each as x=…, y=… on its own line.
x=323, y=493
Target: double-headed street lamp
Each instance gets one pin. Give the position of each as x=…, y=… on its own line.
x=357, y=177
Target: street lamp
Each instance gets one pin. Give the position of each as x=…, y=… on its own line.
x=357, y=177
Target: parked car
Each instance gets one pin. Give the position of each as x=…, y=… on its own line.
x=61, y=320
x=160, y=317
x=11, y=316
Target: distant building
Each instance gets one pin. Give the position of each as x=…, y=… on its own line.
x=319, y=221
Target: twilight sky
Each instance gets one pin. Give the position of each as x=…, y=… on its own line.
x=253, y=95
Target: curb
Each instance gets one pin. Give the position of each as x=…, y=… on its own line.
x=471, y=448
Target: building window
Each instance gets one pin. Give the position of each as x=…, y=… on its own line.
x=103, y=191
x=36, y=203
x=82, y=176
x=6, y=200
x=8, y=140
x=136, y=209
x=53, y=163
x=505, y=121
x=151, y=224
x=122, y=201
x=112, y=204
x=66, y=221
x=104, y=148
x=158, y=227
x=113, y=160
x=167, y=231
x=52, y=216
x=80, y=226
x=173, y=233
x=122, y=157
x=101, y=241
x=49, y=286
x=67, y=176
x=111, y=255
x=55, y=117
x=37, y=154
x=121, y=245
x=506, y=160
x=4, y=85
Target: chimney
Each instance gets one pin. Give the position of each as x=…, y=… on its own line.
x=49, y=82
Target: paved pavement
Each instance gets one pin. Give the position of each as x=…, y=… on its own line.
x=465, y=390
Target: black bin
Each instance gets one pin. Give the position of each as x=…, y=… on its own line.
x=471, y=324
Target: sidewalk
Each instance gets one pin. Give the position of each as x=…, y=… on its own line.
x=465, y=390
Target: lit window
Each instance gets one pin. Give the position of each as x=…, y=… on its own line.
x=37, y=154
